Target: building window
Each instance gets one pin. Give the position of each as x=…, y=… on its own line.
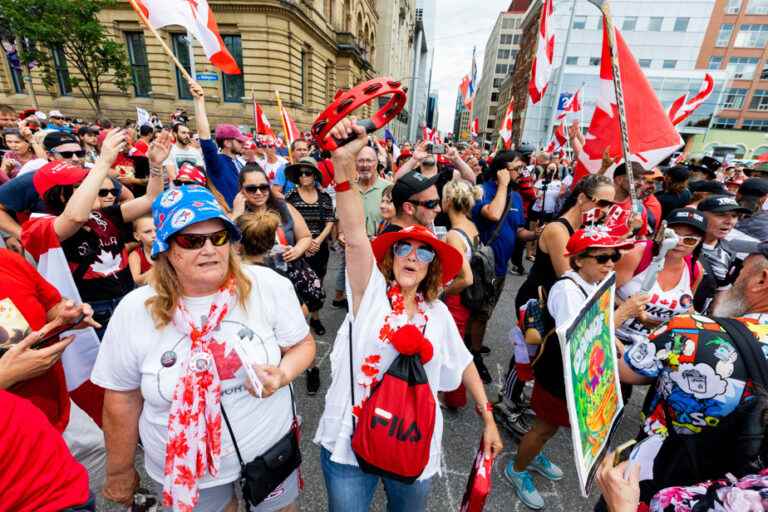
x=742, y=68
x=734, y=98
x=764, y=72
x=670, y=64
x=645, y=63
x=497, y=82
x=494, y=97
x=491, y=124
x=516, y=39
x=234, y=85
x=508, y=23
x=733, y=7
x=62, y=73
x=714, y=62
x=329, y=82
x=181, y=50
x=600, y=23
x=505, y=39
x=752, y=36
x=572, y=61
x=629, y=24
x=303, y=78
x=654, y=25
x=724, y=123
x=759, y=100
x=594, y=61
x=757, y=7
x=137, y=58
x=501, y=69
x=579, y=22
x=503, y=54
x=755, y=125
x=724, y=36
x=681, y=24
x=16, y=75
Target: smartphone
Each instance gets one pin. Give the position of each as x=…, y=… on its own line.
x=622, y=452
x=438, y=149
x=50, y=338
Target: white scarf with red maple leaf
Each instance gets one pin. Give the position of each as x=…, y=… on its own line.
x=194, y=422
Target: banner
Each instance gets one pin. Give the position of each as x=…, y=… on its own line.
x=142, y=117
x=595, y=404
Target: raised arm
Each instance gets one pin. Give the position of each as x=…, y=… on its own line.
x=494, y=210
x=464, y=169
x=158, y=153
x=349, y=209
x=419, y=154
x=201, y=117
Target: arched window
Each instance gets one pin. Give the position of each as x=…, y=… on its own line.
x=759, y=151
x=328, y=10
x=330, y=82
x=347, y=15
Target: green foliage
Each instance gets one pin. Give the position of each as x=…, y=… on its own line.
x=94, y=59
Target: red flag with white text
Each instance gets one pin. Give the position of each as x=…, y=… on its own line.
x=545, y=53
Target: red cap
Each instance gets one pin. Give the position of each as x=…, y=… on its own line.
x=55, y=173
x=189, y=173
x=594, y=237
x=405, y=153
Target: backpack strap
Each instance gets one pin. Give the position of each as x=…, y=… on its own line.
x=747, y=345
x=503, y=219
x=567, y=225
x=470, y=243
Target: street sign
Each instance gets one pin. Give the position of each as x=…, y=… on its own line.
x=207, y=77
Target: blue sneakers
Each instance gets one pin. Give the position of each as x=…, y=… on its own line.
x=543, y=466
x=524, y=487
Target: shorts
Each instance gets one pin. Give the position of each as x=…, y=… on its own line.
x=216, y=499
x=548, y=407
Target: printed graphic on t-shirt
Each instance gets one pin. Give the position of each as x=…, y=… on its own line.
x=13, y=325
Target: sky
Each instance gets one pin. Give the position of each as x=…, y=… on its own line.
x=461, y=24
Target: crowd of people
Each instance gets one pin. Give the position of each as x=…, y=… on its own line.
x=195, y=259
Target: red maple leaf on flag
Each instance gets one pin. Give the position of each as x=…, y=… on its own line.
x=185, y=477
x=226, y=363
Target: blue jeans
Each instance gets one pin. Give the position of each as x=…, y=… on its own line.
x=350, y=489
x=102, y=312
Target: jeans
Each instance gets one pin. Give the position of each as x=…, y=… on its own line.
x=340, y=276
x=102, y=312
x=350, y=489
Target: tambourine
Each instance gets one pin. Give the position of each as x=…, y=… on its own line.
x=347, y=102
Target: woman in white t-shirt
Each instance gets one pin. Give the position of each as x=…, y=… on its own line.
x=548, y=192
x=402, y=290
x=176, y=362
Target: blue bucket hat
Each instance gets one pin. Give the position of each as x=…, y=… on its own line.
x=180, y=207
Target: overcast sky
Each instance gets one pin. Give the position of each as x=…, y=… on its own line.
x=461, y=24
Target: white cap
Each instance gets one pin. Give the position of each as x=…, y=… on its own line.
x=55, y=113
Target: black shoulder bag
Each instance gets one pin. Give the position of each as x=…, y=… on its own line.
x=263, y=474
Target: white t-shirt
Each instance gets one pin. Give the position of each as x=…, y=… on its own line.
x=33, y=165
x=444, y=371
x=549, y=198
x=129, y=359
x=566, y=299
x=271, y=169
x=177, y=156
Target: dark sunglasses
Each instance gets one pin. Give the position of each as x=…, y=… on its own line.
x=307, y=172
x=430, y=205
x=70, y=154
x=252, y=189
x=424, y=253
x=602, y=203
x=195, y=241
x=104, y=192
x=604, y=258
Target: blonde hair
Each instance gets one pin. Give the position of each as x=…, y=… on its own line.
x=258, y=230
x=165, y=281
x=461, y=195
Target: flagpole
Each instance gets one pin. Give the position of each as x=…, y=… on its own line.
x=605, y=8
x=192, y=65
x=165, y=47
x=559, y=88
x=282, y=122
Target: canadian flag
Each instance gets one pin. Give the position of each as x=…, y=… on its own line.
x=545, y=53
x=652, y=137
x=195, y=16
x=505, y=131
x=292, y=132
x=466, y=91
x=430, y=134
x=558, y=139
x=474, y=127
x=682, y=108
x=40, y=240
x=260, y=120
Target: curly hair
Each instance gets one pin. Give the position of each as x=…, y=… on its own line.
x=430, y=287
x=462, y=195
x=165, y=281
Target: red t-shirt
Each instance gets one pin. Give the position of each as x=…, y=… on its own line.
x=23, y=287
x=38, y=472
x=619, y=216
x=654, y=206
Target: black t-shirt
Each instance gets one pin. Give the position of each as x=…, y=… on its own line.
x=97, y=256
x=670, y=201
x=391, y=228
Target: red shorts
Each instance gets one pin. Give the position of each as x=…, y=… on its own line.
x=548, y=407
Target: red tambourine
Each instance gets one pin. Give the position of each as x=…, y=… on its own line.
x=348, y=101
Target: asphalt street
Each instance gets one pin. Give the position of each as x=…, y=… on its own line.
x=462, y=432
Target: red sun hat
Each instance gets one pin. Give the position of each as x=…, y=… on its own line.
x=450, y=258
x=594, y=237
x=55, y=173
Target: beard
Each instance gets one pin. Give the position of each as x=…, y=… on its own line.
x=732, y=303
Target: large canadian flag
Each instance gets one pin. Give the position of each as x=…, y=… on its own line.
x=505, y=131
x=558, y=139
x=545, y=53
x=682, y=108
x=292, y=132
x=260, y=120
x=195, y=16
x=652, y=137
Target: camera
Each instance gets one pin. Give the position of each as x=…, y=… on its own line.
x=438, y=149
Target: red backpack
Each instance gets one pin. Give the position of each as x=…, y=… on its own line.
x=394, y=430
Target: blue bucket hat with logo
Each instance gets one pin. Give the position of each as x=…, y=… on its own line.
x=183, y=206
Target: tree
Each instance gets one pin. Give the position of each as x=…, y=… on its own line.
x=72, y=27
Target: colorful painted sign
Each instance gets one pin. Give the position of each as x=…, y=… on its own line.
x=591, y=373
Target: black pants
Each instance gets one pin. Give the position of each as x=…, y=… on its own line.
x=319, y=261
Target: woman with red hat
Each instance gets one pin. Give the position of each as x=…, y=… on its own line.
x=393, y=284
x=593, y=253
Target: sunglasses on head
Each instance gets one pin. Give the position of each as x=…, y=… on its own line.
x=69, y=154
x=424, y=253
x=104, y=192
x=195, y=241
x=252, y=189
x=430, y=204
x=604, y=258
x=602, y=203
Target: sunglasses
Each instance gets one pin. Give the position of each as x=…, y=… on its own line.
x=602, y=203
x=70, y=154
x=690, y=240
x=195, y=241
x=424, y=253
x=252, y=189
x=430, y=205
x=307, y=172
x=104, y=192
x=602, y=259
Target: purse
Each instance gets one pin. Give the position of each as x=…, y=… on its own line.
x=260, y=477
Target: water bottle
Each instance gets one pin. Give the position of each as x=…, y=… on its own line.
x=278, y=261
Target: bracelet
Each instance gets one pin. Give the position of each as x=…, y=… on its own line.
x=343, y=186
x=479, y=409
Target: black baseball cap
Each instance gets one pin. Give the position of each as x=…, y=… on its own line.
x=677, y=173
x=703, y=169
x=721, y=204
x=688, y=217
x=56, y=139
x=409, y=185
x=756, y=187
x=93, y=130
x=709, y=186
x=710, y=163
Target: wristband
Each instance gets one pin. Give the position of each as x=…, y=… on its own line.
x=479, y=409
x=343, y=186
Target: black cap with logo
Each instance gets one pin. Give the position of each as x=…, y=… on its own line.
x=409, y=185
x=721, y=204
